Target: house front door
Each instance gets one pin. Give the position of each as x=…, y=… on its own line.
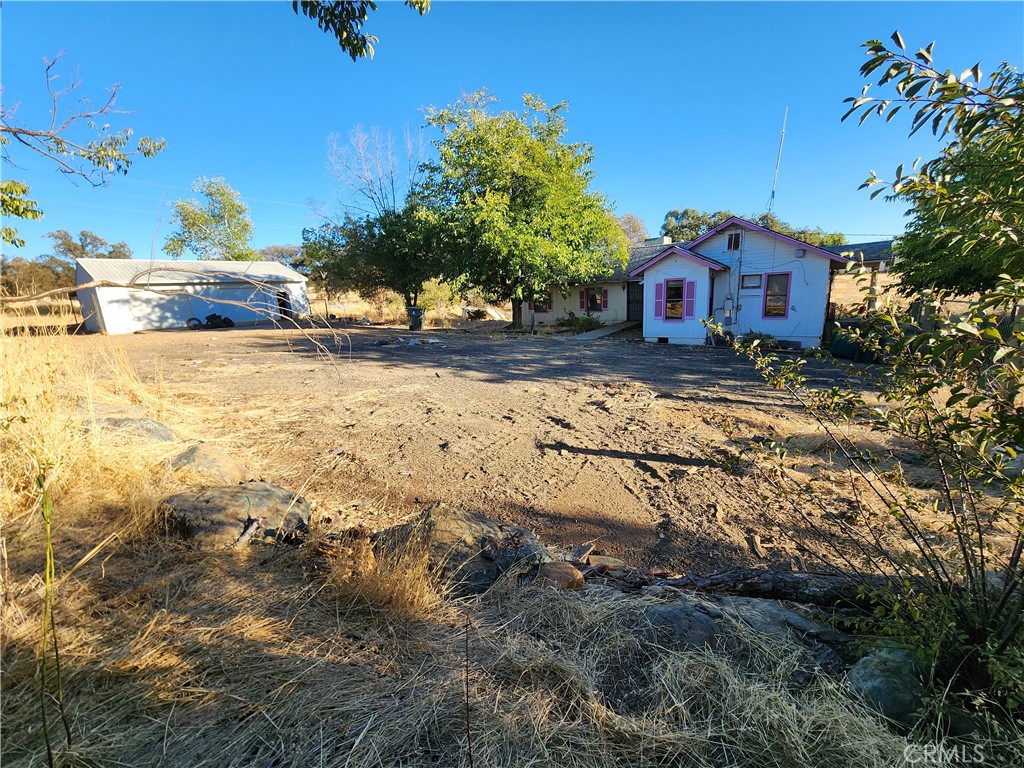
x=634, y=301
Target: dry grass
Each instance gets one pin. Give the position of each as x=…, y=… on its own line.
x=54, y=314
x=188, y=658
x=849, y=291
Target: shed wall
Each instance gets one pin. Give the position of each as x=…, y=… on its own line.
x=128, y=310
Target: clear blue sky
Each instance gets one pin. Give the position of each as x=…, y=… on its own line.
x=682, y=102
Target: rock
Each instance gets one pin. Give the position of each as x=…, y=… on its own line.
x=773, y=619
x=682, y=624
x=692, y=621
x=133, y=428
x=605, y=563
x=217, y=517
x=90, y=410
x=465, y=547
x=579, y=553
x=558, y=576
x=889, y=680
x=211, y=465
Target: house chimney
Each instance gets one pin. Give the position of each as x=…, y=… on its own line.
x=663, y=240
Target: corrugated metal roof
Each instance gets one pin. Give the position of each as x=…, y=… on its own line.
x=169, y=272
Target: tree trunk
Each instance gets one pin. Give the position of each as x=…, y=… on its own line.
x=814, y=588
x=517, y=314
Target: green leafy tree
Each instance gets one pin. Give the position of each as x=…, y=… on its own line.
x=966, y=208
x=67, y=142
x=87, y=246
x=514, y=204
x=689, y=224
x=26, y=277
x=393, y=251
x=385, y=240
x=810, y=235
x=344, y=20
x=282, y=254
x=633, y=228
x=217, y=228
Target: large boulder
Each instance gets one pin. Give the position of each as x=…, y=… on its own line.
x=217, y=517
x=210, y=466
x=693, y=621
x=132, y=428
x=890, y=681
x=466, y=548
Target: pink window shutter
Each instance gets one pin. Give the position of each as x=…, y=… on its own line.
x=604, y=298
x=690, y=303
x=583, y=300
x=659, y=300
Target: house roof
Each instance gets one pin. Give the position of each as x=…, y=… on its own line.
x=752, y=227
x=879, y=250
x=169, y=272
x=664, y=251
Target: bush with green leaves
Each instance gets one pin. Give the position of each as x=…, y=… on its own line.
x=579, y=323
x=758, y=339
x=950, y=391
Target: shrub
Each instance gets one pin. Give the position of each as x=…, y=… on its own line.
x=952, y=390
x=752, y=339
x=579, y=323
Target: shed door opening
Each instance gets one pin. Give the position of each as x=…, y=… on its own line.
x=284, y=303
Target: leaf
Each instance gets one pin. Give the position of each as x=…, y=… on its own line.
x=898, y=39
x=992, y=333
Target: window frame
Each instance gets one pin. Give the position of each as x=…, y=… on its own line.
x=682, y=298
x=729, y=241
x=758, y=287
x=789, y=295
x=543, y=307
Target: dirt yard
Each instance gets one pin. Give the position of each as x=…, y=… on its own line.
x=616, y=442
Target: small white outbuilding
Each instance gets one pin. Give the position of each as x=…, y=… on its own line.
x=143, y=294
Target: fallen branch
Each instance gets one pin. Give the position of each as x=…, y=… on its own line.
x=812, y=588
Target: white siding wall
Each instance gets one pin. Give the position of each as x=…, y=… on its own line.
x=690, y=331
x=763, y=254
x=127, y=310
x=570, y=302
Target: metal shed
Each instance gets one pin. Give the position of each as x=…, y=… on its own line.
x=140, y=295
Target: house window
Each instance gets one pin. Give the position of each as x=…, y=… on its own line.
x=750, y=281
x=544, y=305
x=593, y=299
x=674, y=293
x=734, y=241
x=680, y=299
x=776, y=295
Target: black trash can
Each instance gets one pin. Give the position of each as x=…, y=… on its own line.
x=415, y=318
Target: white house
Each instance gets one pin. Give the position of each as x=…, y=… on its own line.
x=150, y=294
x=678, y=294
x=742, y=275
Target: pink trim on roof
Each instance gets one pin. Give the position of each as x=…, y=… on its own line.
x=752, y=227
x=675, y=250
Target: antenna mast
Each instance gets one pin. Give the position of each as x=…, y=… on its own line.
x=778, y=161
